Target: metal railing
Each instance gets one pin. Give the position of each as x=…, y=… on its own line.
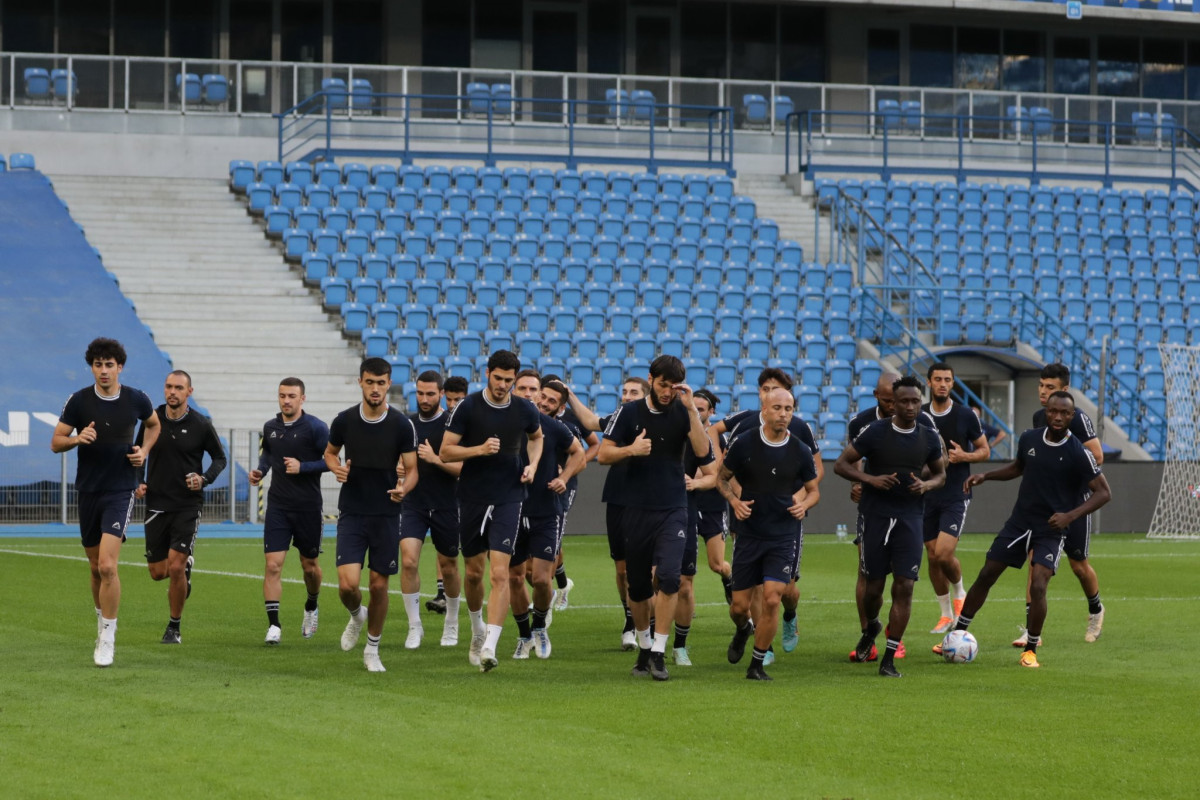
x=335, y=123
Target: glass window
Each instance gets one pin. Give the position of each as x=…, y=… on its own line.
x=27, y=26
x=752, y=37
x=446, y=39
x=498, y=35
x=139, y=27
x=1162, y=74
x=1117, y=66
x=1193, y=71
x=554, y=45
x=193, y=29
x=702, y=40
x=978, y=62
x=250, y=30
x=605, y=42
x=1072, y=65
x=931, y=55
x=302, y=26
x=1023, y=66
x=83, y=27
x=801, y=44
x=358, y=32
x=883, y=57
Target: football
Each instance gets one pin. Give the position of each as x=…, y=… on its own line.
x=959, y=647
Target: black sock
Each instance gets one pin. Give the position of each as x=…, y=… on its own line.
x=560, y=577
x=726, y=581
x=872, y=625
x=890, y=653
x=653, y=624
x=273, y=613
x=1094, y=604
x=789, y=614
x=173, y=624
x=441, y=592
x=756, y=658
x=539, y=618
x=522, y=625
x=628, y=618
x=311, y=603
x=1032, y=642
x=963, y=622
x=681, y=634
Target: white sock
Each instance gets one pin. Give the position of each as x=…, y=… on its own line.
x=493, y=637
x=108, y=629
x=412, y=607
x=452, y=609
x=477, y=626
x=359, y=613
x=660, y=643
x=644, y=639
x=372, y=643
x=959, y=591
x=99, y=624
x=944, y=603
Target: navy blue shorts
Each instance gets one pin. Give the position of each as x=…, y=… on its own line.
x=712, y=523
x=379, y=535
x=1079, y=537
x=440, y=523
x=654, y=543
x=104, y=513
x=170, y=530
x=691, y=547
x=301, y=527
x=758, y=560
x=1012, y=546
x=482, y=528
x=891, y=545
x=858, y=529
x=541, y=537
x=945, y=517
x=799, y=552
x=616, y=537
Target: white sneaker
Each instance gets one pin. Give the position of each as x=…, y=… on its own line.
x=415, y=635
x=371, y=660
x=1023, y=639
x=450, y=633
x=1095, y=625
x=273, y=634
x=628, y=640
x=550, y=613
x=103, y=655
x=541, y=643
x=353, y=629
x=309, y=626
x=681, y=657
x=561, y=599
x=473, y=655
x=523, y=648
x=487, y=660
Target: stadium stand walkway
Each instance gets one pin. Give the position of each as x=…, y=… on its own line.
x=777, y=201
x=218, y=297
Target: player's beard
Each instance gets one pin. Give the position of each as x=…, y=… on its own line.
x=657, y=405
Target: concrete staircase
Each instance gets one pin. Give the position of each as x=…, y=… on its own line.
x=219, y=298
x=776, y=201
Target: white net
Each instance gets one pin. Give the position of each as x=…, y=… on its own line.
x=1177, y=513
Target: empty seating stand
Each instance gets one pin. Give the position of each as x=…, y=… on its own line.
x=188, y=87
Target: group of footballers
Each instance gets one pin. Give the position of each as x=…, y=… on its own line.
x=490, y=475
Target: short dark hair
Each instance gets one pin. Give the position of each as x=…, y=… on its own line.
x=529, y=373
x=1057, y=372
x=457, y=384
x=669, y=368
x=557, y=386
x=431, y=376
x=1061, y=394
x=911, y=381
x=293, y=382
x=187, y=377
x=709, y=396
x=375, y=366
x=642, y=382
x=776, y=374
x=102, y=349
x=503, y=359
x=938, y=366
x=550, y=377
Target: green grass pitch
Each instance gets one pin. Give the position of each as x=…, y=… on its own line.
x=224, y=716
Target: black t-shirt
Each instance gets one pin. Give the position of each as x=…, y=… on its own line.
x=957, y=424
x=304, y=440
x=614, y=479
x=494, y=479
x=179, y=450
x=769, y=474
x=103, y=466
x=1055, y=477
x=748, y=420
x=567, y=417
x=435, y=489
x=374, y=448
x=654, y=481
x=887, y=450
x=556, y=443
x=706, y=501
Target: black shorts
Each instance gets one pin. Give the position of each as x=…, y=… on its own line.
x=858, y=529
x=1079, y=537
x=541, y=537
x=691, y=547
x=104, y=513
x=654, y=543
x=945, y=517
x=616, y=537
x=170, y=530
x=301, y=527
x=1012, y=546
x=758, y=560
x=379, y=535
x=483, y=528
x=440, y=523
x=712, y=523
x=891, y=545
x=799, y=553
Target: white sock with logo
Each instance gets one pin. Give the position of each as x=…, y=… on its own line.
x=412, y=607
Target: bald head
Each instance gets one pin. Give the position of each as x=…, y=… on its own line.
x=777, y=408
x=883, y=393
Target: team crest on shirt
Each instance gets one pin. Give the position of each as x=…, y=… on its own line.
x=680, y=534
x=1032, y=452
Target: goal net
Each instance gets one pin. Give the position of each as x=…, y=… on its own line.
x=1177, y=513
